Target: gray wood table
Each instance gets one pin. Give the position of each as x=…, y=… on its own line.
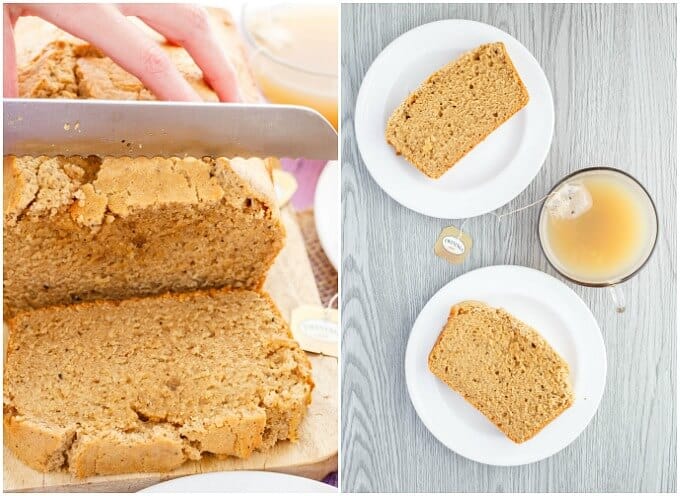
x=612, y=73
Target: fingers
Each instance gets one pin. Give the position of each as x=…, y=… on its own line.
x=189, y=26
x=106, y=27
x=10, y=85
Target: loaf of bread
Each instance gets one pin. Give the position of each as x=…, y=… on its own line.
x=80, y=229
x=503, y=367
x=85, y=228
x=109, y=382
x=54, y=64
x=456, y=108
x=146, y=384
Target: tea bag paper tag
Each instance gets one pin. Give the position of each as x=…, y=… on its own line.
x=569, y=201
x=285, y=186
x=453, y=245
x=316, y=329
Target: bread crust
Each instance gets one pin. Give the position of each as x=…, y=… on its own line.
x=112, y=453
x=40, y=446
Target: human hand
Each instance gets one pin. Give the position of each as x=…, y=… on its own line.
x=106, y=27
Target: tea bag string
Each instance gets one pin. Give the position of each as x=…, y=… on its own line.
x=460, y=231
x=499, y=217
x=331, y=301
x=328, y=309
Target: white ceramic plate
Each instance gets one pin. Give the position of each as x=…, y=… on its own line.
x=327, y=211
x=496, y=170
x=544, y=303
x=241, y=481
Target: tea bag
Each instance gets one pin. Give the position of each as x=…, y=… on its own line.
x=316, y=329
x=285, y=186
x=569, y=201
x=453, y=245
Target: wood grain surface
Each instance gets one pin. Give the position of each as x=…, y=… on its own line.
x=612, y=72
x=290, y=283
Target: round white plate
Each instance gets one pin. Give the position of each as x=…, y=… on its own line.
x=327, y=211
x=241, y=481
x=561, y=317
x=496, y=170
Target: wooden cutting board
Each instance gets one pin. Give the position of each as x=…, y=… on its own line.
x=290, y=283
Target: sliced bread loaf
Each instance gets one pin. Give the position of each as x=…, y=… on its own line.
x=503, y=367
x=145, y=384
x=456, y=108
x=80, y=229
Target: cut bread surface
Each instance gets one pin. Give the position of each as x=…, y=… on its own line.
x=78, y=229
x=148, y=383
x=503, y=367
x=456, y=108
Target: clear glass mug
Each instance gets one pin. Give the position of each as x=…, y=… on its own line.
x=280, y=79
x=647, y=209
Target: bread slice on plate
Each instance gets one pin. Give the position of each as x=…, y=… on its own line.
x=503, y=367
x=456, y=108
x=142, y=385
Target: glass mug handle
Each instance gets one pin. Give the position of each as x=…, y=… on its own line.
x=617, y=297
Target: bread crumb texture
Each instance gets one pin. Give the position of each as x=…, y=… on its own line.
x=503, y=367
x=146, y=384
x=88, y=228
x=456, y=108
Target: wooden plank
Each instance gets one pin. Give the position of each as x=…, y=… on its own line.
x=612, y=70
x=290, y=283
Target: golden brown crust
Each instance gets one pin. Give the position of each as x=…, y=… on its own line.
x=19, y=189
x=40, y=446
x=114, y=453
x=141, y=181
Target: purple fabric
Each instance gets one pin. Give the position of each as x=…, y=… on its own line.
x=331, y=479
x=307, y=174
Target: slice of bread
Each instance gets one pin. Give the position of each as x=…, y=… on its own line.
x=78, y=229
x=503, y=367
x=456, y=108
x=145, y=384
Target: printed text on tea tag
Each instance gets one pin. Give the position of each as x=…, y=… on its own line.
x=316, y=329
x=453, y=245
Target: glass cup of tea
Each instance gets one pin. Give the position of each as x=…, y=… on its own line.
x=598, y=227
x=294, y=53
